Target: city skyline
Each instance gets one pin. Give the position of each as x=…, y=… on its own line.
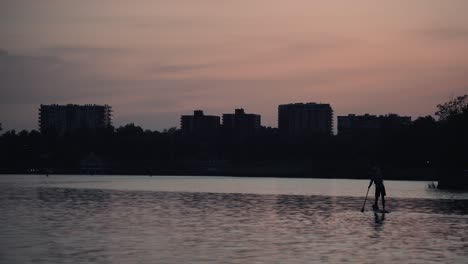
x=155, y=60
x=309, y=117
x=335, y=119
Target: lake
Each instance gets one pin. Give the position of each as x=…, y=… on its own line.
x=177, y=219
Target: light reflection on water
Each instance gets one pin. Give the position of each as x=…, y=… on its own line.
x=77, y=221
x=295, y=186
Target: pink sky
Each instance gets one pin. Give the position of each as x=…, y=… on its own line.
x=155, y=60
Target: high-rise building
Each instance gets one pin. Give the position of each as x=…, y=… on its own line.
x=68, y=119
x=240, y=124
x=200, y=124
x=302, y=119
x=365, y=124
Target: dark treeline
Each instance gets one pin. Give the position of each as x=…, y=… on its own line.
x=427, y=149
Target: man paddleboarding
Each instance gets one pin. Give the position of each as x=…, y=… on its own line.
x=377, y=179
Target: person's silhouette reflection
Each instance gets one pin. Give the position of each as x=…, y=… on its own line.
x=378, y=225
x=379, y=219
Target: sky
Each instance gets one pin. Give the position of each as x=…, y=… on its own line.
x=154, y=60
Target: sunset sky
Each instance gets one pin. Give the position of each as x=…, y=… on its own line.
x=153, y=60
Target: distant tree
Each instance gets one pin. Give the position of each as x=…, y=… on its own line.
x=424, y=125
x=171, y=130
x=424, y=120
x=453, y=146
x=129, y=129
x=455, y=107
x=23, y=133
x=453, y=142
x=34, y=133
x=10, y=133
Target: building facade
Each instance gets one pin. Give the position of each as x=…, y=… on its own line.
x=69, y=119
x=303, y=119
x=358, y=123
x=365, y=124
x=394, y=121
x=240, y=124
x=199, y=124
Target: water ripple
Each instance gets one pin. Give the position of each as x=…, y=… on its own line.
x=70, y=225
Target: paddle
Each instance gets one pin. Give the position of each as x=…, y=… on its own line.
x=362, y=210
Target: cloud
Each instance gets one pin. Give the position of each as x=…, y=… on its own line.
x=176, y=68
x=62, y=50
x=444, y=33
x=27, y=79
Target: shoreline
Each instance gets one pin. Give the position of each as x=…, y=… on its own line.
x=213, y=175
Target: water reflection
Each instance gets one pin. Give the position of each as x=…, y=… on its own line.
x=379, y=219
x=75, y=196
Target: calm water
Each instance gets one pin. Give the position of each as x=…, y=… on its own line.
x=128, y=219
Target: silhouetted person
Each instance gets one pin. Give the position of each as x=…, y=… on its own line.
x=377, y=179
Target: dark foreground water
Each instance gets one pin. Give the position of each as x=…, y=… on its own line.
x=104, y=219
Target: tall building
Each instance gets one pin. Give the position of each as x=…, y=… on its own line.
x=364, y=124
x=240, y=124
x=68, y=119
x=199, y=124
x=301, y=119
